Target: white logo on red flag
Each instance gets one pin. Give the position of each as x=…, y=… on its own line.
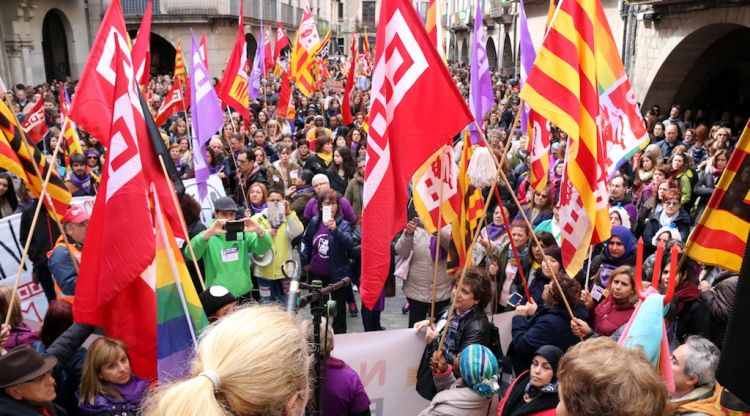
x=394, y=75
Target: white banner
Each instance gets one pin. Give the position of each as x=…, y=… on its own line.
x=387, y=363
x=33, y=301
x=215, y=191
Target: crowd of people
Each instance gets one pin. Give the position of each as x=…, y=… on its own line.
x=294, y=194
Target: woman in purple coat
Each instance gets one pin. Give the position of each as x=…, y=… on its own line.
x=343, y=392
x=108, y=386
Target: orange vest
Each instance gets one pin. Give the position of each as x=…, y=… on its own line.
x=59, y=295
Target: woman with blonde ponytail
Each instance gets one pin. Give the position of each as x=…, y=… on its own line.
x=253, y=362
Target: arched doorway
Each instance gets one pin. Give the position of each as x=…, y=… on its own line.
x=162, y=54
x=465, y=51
x=706, y=70
x=508, y=65
x=55, y=45
x=252, y=44
x=491, y=53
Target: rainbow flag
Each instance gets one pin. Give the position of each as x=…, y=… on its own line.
x=180, y=316
x=620, y=123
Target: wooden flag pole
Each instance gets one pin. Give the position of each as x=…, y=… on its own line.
x=44, y=194
x=439, y=227
x=25, y=254
x=475, y=235
x=182, y=222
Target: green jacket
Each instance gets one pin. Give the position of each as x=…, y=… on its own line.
x=227, y=262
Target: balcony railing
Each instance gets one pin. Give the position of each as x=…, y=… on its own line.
x=212, y=8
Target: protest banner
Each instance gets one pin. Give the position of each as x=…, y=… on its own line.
x=387, y=363
x=33, y=301
x=215, y=190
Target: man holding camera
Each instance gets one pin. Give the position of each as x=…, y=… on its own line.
x=225, y=245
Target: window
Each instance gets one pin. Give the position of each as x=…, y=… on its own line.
x=368, y=13
x=340, y=10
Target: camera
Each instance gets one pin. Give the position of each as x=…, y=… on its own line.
x=232, y=228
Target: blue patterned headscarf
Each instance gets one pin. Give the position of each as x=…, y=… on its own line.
x=479, y=370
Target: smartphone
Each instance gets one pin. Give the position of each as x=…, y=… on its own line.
x=327, y=214
x=232, y=228
x=276, y=211
x=514, y=298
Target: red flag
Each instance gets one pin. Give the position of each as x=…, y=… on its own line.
x=284, y=108
x=267, y=53
x=142, y=48
x=203, y=50
x=281, y=42
x=120, y=242
x=174, y=102
x=35, y=125
x=92, y=106
x=346, y=106
x=409, y=76
x=233, y=88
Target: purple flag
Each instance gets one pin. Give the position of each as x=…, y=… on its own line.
x=205, y=112
x=528, y=55
x=481, y=97
x=257, y=73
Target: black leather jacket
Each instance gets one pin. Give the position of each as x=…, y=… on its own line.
x=474, y=328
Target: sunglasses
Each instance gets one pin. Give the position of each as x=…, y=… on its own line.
x=92, y=157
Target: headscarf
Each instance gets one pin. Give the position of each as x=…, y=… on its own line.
x=479, y=370
x=553, y=355
x=627, y=240
x=673, y=232
x=624, y=216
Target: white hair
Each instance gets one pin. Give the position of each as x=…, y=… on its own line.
x=701, y=360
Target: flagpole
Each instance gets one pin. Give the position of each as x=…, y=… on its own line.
x=182, y=222
x=172, y=260
x=481, y=223
x=234, y=159
x=439, y=229
x=46, y=195
x=25, y=253
x=588, y=268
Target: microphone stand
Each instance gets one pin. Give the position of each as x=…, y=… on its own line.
x=316, y=300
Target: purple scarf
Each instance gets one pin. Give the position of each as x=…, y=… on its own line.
x=83, y=183
x=494, y=231
x=433, y=244
x=257, y=209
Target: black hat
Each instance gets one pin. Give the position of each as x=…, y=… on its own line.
x=23, y=364
x=225, y=203
x=215, y=298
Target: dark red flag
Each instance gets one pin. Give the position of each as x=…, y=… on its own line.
x=35, y=125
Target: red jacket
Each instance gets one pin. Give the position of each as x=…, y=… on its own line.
x=609, y=315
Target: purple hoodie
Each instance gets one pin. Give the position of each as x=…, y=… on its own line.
x=132, y=393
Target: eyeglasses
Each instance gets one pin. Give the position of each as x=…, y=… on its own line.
x=92, y=157
x=671, y=203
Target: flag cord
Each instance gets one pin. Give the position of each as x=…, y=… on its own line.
x=182, y=223
x=481, y=222
x=46, y=195
x=439, y=232
x=25, y=254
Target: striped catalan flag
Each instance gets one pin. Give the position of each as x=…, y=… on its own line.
x=307, y=45
x=472, y=209
x=720, y=236
x=16, y=157
x=180, y=316
x=562, y=87
x=434, y=26
x=179, y=65
x=72, y=141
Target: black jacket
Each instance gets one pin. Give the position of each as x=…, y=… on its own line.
x=682, y=222
x=515, y=405
x=475, y=328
